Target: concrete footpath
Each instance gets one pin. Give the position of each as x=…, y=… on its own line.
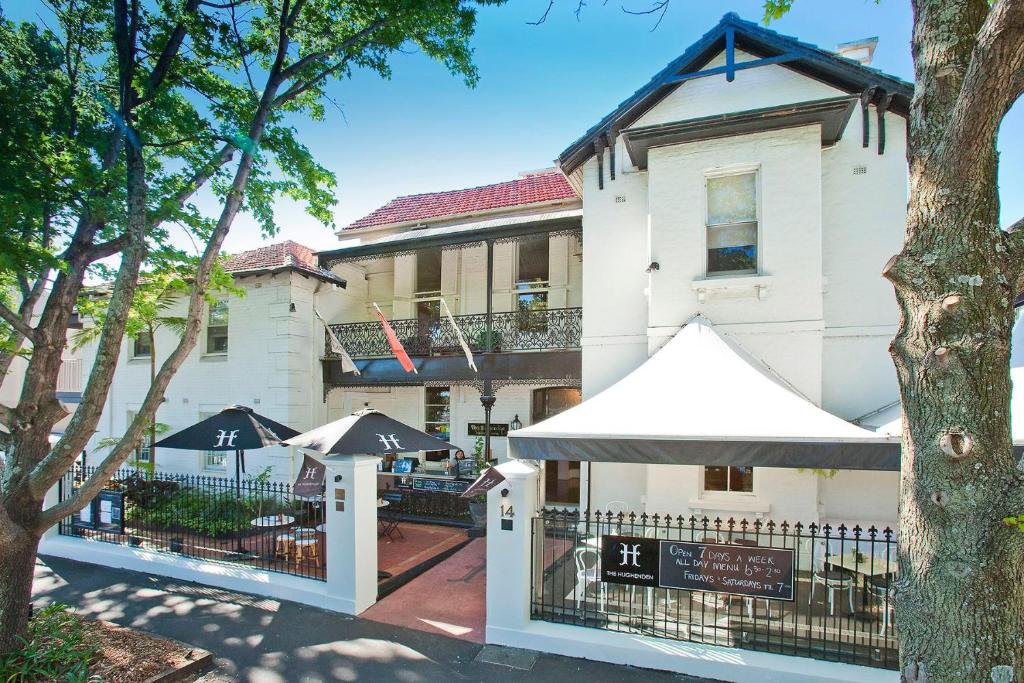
x=264, y=640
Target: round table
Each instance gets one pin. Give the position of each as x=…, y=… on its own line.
x=271, y=521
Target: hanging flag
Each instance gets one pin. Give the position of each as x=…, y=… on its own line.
x=458, y=334
x=334, y=346
x=396, y=346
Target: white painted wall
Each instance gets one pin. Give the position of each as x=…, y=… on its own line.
x=829, y=220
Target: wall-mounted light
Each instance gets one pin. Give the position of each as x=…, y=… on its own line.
x=291, y=307
x=516, y=423
x=337, y=477
x=653, y=267
x=506, y=508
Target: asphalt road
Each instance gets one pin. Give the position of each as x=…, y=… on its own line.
x=264, y=640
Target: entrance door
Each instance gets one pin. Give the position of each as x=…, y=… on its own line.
x=561, y=478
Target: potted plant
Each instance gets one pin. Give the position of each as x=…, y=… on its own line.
x=478, y=504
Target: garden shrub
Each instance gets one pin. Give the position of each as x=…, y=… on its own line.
x=57, y=649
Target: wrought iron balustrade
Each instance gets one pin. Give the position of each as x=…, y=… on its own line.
x=555, y=328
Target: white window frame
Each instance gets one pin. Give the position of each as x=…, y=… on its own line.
x=712, y=493
x=143, y=446
x=206, y=330
x=758, y=198
x=132, y=355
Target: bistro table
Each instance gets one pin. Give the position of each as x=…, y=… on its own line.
x=271, y=522
x=868, y=568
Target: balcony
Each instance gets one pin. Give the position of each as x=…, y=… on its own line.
x=539, y=330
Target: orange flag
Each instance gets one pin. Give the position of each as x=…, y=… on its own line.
x=396, y=346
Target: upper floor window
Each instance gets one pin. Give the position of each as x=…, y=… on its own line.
x=142, y=346
x=732, y=478
x=212, y=461
x=428, y=272
x=732, y=224
x=217, y=328
x=532, y=279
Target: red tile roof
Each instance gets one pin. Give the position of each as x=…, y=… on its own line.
x=535, y=188
x=287, y=254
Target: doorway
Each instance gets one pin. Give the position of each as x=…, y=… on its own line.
x=561, y=477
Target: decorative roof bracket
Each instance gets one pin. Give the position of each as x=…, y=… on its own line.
x=882, y=107
x=865, y=100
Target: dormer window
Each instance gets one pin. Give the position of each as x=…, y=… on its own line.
x=732, y=224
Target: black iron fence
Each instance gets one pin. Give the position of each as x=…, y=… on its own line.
x=256, y=523
x=554, y=328
x=710, y=582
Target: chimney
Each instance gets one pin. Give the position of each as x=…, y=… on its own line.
x=862, y=50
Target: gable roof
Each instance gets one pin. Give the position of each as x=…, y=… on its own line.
x=543, y=187
x=845, y=74
x=272, y=258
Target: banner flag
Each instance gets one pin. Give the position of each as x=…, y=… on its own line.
x=334, y=344
x=490, y=478
x=396, y=346
x=458, y=334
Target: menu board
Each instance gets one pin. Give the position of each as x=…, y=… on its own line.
x=105, y=512
x=711, y=567
x=440, y=485
x=727, y=568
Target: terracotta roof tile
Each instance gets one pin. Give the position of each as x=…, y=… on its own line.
x=547, y=186
x=287, y=254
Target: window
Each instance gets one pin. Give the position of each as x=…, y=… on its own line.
x=212, y=461
x=562, y=477
x=142, y=346
x=437, y=422
x=427, y=298
x=217, y=328
x=141, y=451
x=532, y=280
x=731, y=478
x=732, y=224
x=428, y=272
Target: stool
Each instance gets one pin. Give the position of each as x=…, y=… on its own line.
x=283, y=545
x=305, y=542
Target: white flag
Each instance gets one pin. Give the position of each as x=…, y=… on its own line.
x=458, y=333
x=334, y=346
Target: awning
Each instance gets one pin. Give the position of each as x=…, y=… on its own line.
x=702, y=400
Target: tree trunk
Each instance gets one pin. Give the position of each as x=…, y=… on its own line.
x=17, y=566
x=959, y=595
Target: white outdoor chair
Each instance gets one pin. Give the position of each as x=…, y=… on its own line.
x=749, y=602
x=832, y=579
x=880, y=588
x=615, y=507
x=586, y=575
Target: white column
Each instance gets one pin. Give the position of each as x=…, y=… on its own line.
x=508, y=550
x=352, y=531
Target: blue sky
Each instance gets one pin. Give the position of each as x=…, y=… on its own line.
x=540, y=88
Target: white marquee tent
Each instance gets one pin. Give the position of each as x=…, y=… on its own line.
x=703, y=400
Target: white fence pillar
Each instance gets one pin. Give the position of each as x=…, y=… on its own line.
x=509, y=540
x=351, y=536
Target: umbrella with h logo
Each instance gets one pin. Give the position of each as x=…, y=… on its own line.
x=236, y=428
x=367, y=432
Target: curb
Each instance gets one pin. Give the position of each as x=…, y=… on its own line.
x=199, y=659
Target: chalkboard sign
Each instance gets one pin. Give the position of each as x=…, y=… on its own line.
x=711, y=567
x=727, y=568
x=440, y=485
x=479, y=429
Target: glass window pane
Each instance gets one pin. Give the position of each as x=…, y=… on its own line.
x=141, y=346
x=733, y=259
x=732, y=199
x=741, y=479
x=735, y=235
x=428, y=270
x=218, y=313
x=533, y=261
x=716, y=478
x=217, y=339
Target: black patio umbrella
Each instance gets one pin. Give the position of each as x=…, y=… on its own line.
x=236, y=428
x=367, y=432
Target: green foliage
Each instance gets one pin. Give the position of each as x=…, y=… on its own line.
x=776, y=9
x=1015, y=522
x=57, y=649
x=823, y=473
x=195, y=509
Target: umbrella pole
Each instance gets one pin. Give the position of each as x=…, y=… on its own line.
x=238, y=497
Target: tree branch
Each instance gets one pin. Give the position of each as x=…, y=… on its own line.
x=1015, y=253
x=167, y=55
x=105, y=249
x=18, y=323
x=290, y=72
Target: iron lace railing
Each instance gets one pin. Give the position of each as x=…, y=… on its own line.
x=261, y=524
x=554, y=328
x=841, y=608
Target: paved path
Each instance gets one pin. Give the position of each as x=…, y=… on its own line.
x=449, y=599
x=263, y=640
